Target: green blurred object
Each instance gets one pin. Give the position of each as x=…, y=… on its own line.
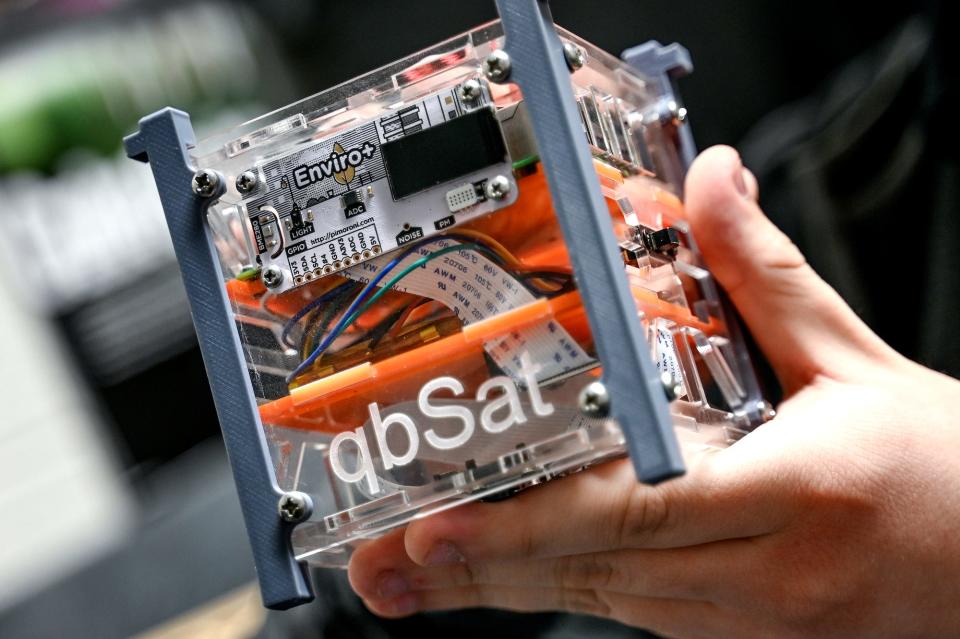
x=85, y=85
x=26, y=140
x=248, y=274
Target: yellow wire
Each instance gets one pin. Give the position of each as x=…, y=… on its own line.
x=493, y=244
x=499, y=248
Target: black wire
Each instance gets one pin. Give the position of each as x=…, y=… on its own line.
x=327, y=313
x=319, y=321
x=565, y=279
x=383, y=327
x=492, y=367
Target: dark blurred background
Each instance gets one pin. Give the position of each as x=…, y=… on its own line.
x=117, y=513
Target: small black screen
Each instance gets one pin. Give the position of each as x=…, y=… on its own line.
x=443, y=152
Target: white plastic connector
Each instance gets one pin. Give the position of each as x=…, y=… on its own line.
x=462, y=197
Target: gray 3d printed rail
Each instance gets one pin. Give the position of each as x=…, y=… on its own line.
x=637, y=397
x=163, y=140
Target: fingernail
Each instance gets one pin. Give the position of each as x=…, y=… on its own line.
x=391, y=584
x=739, y=180
x=405, y=605
x=444, y=553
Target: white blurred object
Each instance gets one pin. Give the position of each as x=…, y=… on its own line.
x=93, y=228
x=92, y=242
x=62, y=500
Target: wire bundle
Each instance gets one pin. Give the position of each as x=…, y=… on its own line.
x=471, y=241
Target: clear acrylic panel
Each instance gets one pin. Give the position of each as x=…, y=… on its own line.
x=403, y=291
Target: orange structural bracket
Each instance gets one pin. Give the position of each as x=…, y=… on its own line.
x=336, y=402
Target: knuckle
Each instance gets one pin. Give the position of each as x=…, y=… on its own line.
x=584, y=571
x=645, y=514
x=565, y=572
x=527, y=544
x=584, y=601
x=481, y=596
x=814, y=591
x=472, y=574
x=809, y=607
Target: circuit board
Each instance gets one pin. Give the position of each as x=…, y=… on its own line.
x=409, y=174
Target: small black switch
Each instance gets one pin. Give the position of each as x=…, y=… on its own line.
x=665, y=241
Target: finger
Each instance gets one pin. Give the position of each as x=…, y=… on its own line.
x=751, y=185
x=709, y=572
x=514, y=598
x=801, y=324
x=676, y=618
x=682, y=619
x=721, y=497
x=517, y=598
x=381, y=569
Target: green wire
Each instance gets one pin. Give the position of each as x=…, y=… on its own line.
x=406, y=271
x=248, y=273
x=527, y=161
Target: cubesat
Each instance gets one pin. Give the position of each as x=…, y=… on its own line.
x=454, y=277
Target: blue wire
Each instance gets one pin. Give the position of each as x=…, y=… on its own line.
x=299, y=315
x=371, y=285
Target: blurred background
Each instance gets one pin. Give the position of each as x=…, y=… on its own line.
x=117, y=511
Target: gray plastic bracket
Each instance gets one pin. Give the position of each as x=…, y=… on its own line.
x=638, y=401
x=665, y=65
x=163, y=140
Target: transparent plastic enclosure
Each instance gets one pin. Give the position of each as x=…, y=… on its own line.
x=404, y=295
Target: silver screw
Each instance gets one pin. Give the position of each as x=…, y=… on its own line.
x=680, y=115
x=665, y=113
x=497, y=66
x=272, y=277
x=594, y=400
x=675, y=114
x=574, y=55
x=766, y=410
x=294, y=507
x=497, y=188
x=671, y=386
x=246, y=182
x=470, y=91
x=206, y=182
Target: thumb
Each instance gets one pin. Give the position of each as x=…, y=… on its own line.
x=800, y=323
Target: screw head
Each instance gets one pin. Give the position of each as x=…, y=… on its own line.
x=470, y=91
x=766, y=410
x=246, y=182
x=679, y=113
x=574, y=56
x=206, y=182
x=272, y=277
x=496, y=66
x=294, y=506
x=497, y=188
x=675, y=114
x=594, y=400
x=672, y=387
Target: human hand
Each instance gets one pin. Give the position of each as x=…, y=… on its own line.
x=839, y=518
